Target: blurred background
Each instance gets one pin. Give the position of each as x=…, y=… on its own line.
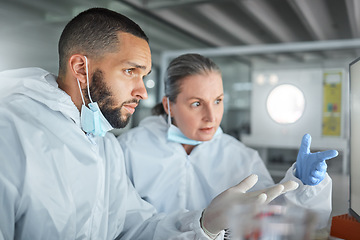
x=298, y=48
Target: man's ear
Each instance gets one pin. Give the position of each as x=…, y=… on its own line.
x=165, y=105
x=77, y=66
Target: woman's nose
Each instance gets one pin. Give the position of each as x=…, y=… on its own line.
x=209, y=114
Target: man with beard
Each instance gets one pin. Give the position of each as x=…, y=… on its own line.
x=60, y=172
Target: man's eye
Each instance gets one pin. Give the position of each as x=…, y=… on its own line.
x=129, y=71
x=195, y=104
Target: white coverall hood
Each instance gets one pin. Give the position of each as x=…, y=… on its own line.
x=42, y=87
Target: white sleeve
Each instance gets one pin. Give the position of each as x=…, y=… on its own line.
x=10, y=179
x=316, y=198
x=142, y=222
x=7, y=209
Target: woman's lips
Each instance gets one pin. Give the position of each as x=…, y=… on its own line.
x=207, y=129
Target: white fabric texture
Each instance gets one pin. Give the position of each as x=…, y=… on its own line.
x=158, y=168
x=56, y=183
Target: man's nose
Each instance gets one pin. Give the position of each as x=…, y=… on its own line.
x=139, y=90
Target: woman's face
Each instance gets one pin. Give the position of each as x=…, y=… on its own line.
x=199, y=106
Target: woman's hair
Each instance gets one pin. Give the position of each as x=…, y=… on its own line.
x=179, y=68
x=94, y=32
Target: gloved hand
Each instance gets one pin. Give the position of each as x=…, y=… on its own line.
x=311, y=167
x=214, y=218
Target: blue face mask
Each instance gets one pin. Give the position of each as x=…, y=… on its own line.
x=92, y=120
x=174, y=134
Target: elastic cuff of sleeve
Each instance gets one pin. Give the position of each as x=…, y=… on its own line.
x=294, y=170
x=211, y=235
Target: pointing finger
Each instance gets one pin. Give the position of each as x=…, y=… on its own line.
x=326, y=155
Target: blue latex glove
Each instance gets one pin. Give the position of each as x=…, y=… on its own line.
x=311, y=167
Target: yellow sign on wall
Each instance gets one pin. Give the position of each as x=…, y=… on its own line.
x=331, y=122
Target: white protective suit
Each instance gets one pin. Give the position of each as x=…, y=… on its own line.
x=158, y=168
x=56, y=183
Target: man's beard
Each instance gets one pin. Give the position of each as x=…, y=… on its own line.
x=101, y=94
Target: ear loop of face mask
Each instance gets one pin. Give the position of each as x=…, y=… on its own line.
x=92, y=120
x=87, y=81
x=169, y=115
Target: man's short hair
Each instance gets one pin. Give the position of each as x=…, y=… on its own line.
x=94, y=32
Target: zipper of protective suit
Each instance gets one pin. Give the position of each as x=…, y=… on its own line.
x=97, y=208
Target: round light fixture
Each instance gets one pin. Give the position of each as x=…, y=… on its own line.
x=285, y=104
x=150, y=83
